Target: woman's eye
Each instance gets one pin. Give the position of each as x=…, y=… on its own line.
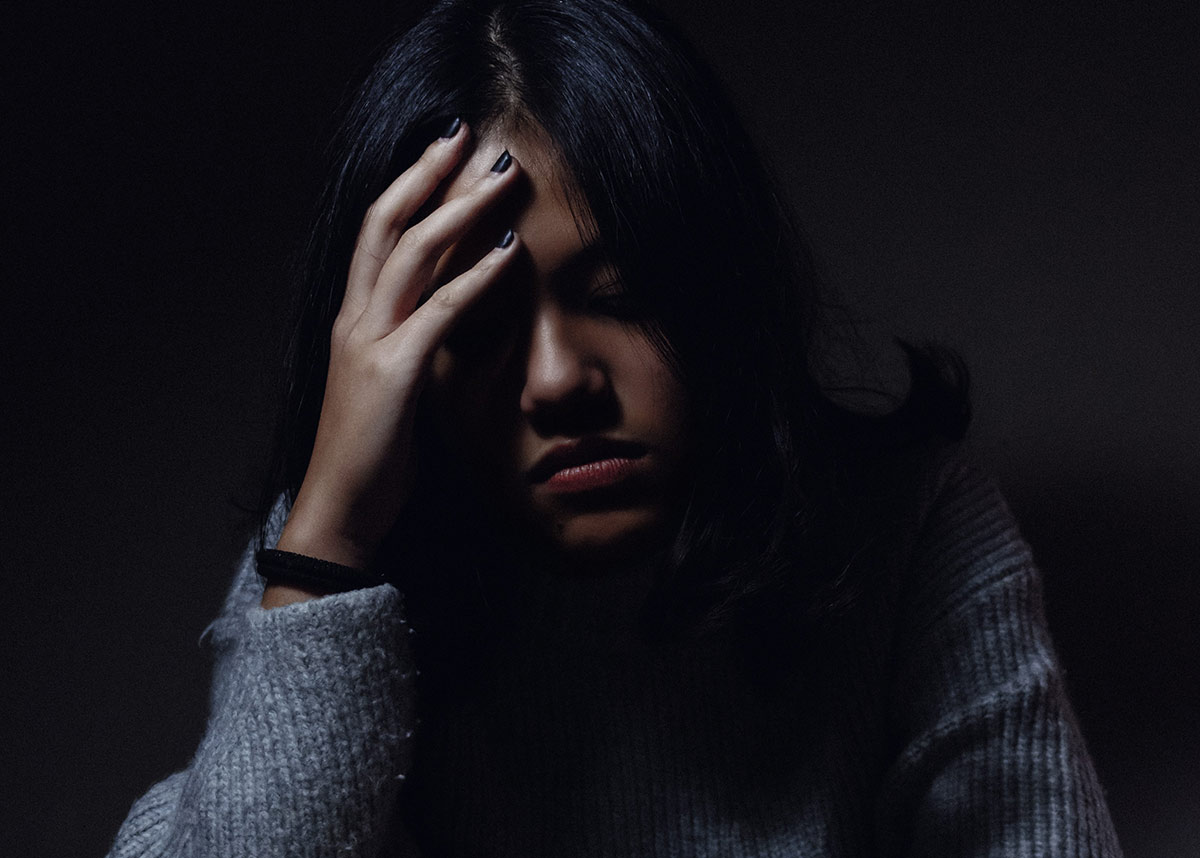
x=616, y=302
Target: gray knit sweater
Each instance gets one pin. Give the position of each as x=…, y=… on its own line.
x=939, y=727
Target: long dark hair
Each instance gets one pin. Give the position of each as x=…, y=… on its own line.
x=683, y=205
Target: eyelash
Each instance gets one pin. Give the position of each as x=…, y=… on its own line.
x=613, y=300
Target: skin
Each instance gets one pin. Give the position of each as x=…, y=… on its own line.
x=516, y=350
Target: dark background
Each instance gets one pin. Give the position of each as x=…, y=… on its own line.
x=1019, y=180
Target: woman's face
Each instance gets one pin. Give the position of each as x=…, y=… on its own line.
x=568, y=421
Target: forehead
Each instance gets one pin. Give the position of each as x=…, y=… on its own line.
x=540, y=210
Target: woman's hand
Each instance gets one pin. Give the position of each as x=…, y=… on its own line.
x=382, y=346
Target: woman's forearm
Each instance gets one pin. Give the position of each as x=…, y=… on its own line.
x=308, y=738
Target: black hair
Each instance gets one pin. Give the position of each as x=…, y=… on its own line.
x=686, y=211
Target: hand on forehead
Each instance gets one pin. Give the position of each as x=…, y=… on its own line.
x=537, y=208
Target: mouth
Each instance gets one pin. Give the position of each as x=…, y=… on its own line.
x=586, y=463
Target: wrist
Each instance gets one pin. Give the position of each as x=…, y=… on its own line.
x=278, y=595
x=311, y=574
x=325, y=546
x=324, y=535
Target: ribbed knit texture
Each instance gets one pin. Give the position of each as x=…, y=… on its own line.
x=936, y=724
x=307, y=736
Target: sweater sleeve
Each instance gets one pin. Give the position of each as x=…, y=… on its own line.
x=991, y=758
x=307, y=738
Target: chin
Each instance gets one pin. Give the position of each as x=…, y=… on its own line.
x=608, y=538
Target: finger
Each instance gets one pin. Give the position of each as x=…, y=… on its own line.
x=387, y=217
x=409, y=270
x=423, y=331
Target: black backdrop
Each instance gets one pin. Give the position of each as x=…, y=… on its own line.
x=1019, y=180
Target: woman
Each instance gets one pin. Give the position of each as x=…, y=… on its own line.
x=556, y=381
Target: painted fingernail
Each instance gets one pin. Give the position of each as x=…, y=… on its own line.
x=502, y=163
x=451, y=129
x=508, y=237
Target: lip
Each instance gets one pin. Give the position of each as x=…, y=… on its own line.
x=584, y=461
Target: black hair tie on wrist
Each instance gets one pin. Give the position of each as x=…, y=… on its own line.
x=311, y=573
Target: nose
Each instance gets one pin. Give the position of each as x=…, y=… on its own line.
x=564, y=377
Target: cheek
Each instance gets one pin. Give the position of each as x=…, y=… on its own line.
x=657, y=394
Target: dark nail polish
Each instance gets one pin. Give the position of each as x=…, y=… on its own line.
x=508, y=237
x=451, y=129
x=502, y=163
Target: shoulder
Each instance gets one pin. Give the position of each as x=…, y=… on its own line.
x=977, y=703
x=962, y=542
x=933, y=514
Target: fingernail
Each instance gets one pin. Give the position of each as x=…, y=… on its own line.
x=502, y=163
x=451, y=129
x=508, y=236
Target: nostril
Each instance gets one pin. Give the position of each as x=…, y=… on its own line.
x=579, y=411
x=566, y=387
x=548, y=385
x=564, y=391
